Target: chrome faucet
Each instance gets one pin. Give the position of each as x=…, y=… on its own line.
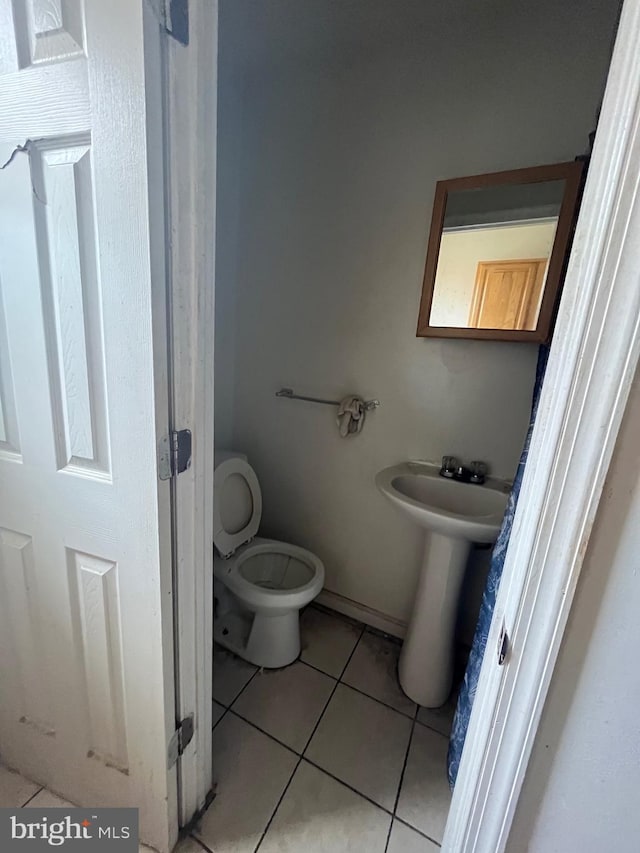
x=463, y=474
x=449, y=466
x=453, y=470
x=478, y=472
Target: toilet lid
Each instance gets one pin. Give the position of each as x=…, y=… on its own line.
x=237, y=505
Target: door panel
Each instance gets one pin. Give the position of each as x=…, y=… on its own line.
x=86, y=666
x=507, y=294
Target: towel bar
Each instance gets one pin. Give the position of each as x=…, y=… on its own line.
x=288, y=392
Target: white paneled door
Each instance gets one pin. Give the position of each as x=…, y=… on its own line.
x=86, y=659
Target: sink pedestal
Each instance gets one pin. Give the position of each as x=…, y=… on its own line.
x=426, y=661
x=454, y=514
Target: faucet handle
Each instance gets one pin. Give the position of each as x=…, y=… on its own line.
x=449, y=466
x=478, y=471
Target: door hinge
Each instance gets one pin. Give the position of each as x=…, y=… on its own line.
x=180, y=740
x=173, y=16
x=174, y=453
x=503, y=645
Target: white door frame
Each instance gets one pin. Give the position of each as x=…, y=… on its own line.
x=592, y=363
x=190, y=94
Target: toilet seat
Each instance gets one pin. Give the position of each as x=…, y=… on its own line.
x=272, y=574
x=237, y=507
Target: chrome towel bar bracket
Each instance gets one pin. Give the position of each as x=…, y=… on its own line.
x=288, y=392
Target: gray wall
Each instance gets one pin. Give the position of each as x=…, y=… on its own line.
x=336, y=121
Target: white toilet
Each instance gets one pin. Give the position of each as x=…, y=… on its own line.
x=260, y=585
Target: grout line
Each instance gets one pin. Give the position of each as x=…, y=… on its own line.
x=349, y=786
x=301, y=756
x=353, y=651
x=311, y=762
x=384, y=704
x=272, y=737
x=201, y=843
x=286, y=788
x=266, y=733
x=367, y=629
x=379, y=701
x=275, y=740
x=221, y=717
x=431, y=728
x=339, y=680
x=404, y=767
x=32, y=797
x=358, y=690
x=242, y=689
x=317, y=668
x=335, y=687
x=386, y=845
x=326, y=705
x=282, y=796
x=415, y=829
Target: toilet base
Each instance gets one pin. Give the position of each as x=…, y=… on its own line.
x=270, y=641
x=274, y=641
x=232, y=631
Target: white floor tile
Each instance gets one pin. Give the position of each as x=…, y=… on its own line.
x=15, y=790
x=406, y=840
x=440, y=719
x=327, y=641
x=373, y=669
x=46, y=800
x=286, y=703
x=217, y=712
x=230, y=674
x=185, y=845
x=425, y=796
x=319, y=815
x=363, y=743
x=251, y=771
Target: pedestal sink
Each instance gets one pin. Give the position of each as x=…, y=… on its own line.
x=454, y=515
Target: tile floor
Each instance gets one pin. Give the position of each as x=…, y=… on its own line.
x=18, y=792
x=327, y=755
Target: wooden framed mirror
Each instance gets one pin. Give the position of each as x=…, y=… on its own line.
x=497, y=253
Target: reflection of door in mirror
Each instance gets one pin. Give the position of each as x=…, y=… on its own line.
x=462, y=248
x=507, y=294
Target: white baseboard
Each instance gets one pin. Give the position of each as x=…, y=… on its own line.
x=374, y=618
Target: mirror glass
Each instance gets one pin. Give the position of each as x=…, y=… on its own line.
x=494, y=255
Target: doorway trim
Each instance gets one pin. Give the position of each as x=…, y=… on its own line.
x=592, y=363
x=190, y=95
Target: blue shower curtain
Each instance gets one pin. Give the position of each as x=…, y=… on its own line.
x=470, y=682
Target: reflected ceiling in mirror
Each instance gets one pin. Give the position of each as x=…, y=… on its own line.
x=496, y=253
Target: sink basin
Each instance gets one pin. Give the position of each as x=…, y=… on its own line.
x=461, y=510
x=453, y=515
